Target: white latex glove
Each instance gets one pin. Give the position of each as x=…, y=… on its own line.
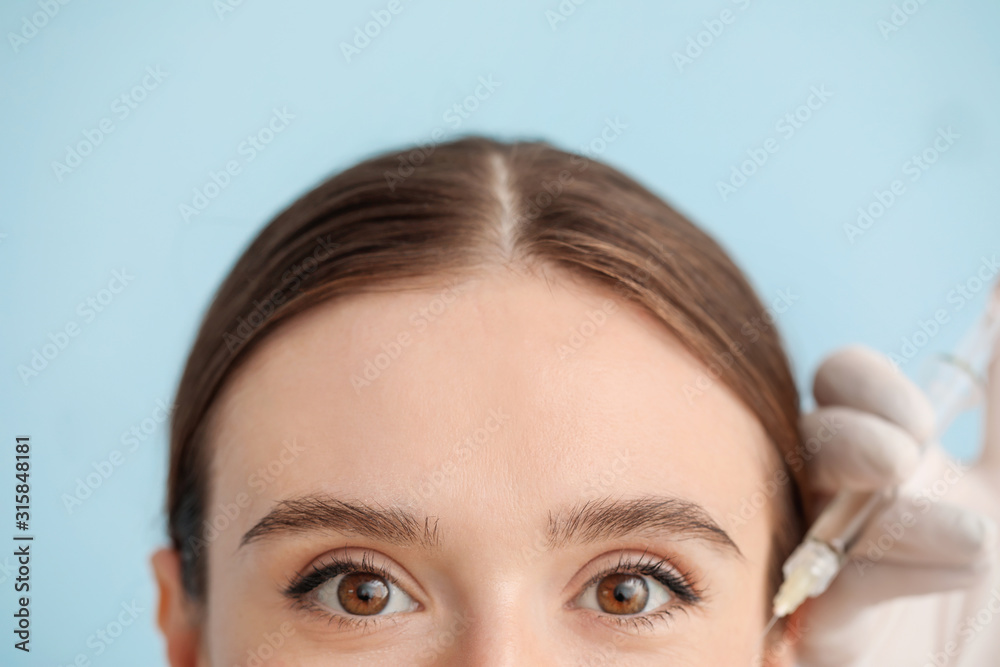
x=922, y=586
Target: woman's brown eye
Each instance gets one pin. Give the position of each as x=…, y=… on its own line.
x=622, y=593
x=363, y=593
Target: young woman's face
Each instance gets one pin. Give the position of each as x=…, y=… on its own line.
x=503, y=471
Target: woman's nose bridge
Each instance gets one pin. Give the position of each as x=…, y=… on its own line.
x=501, y=639
x=509, y=631
x=502, y=626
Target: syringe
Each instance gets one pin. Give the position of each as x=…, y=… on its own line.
x=953, y=385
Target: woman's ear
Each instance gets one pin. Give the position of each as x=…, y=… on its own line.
x=174, y=614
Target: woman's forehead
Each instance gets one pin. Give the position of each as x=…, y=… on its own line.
x=476, y=389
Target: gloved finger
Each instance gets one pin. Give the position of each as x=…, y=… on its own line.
x=837, y=636
x=846, y=625
x=990, y=458
x=861, y=378
x=847, y=448
x=918, y=533
x=946, y=549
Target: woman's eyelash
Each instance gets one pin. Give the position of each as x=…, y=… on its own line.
x=301, y=585
x=680, y=584
x=642, y=621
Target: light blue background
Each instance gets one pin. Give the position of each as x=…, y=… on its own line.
x=686, y=129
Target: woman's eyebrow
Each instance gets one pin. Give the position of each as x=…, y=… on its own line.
x=606, y=519
x=392, y=525
x=592, y=521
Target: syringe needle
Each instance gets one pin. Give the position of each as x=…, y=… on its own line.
x=774, y=619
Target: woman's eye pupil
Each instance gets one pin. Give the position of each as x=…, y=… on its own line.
x=622, y=594
x=363, y=593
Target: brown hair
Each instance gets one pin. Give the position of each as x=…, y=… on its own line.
x=403, y=217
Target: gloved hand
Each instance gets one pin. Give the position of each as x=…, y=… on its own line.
x=922, y=586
